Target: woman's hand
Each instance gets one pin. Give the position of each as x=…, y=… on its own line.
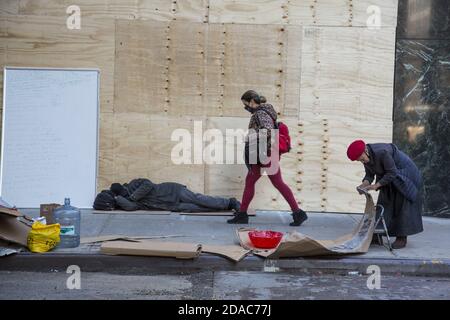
x=373, y=187
x=363, y=186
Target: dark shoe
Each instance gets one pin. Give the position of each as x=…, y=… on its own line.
x=239, y=218
x=234, y=205
x=299, y=217
x=399, y=243
x=377, y=240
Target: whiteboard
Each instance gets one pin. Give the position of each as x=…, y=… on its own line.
x=49, y=136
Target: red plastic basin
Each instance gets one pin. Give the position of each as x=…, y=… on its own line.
x=265, y=239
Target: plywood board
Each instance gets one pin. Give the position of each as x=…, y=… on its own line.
x=186, y=69
x=105, y=151
x=143, y=146
x=35, y=41
x=160, y=67
x=141, y=67
x=247, y=11
x=292, y=69
x=157, y=10
x=252, y=61
x=303, y=12
x=347, y=73
x=201, y=69
x=328, y=178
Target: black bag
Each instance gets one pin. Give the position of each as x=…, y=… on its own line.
x=254, y=153
x=105, y=201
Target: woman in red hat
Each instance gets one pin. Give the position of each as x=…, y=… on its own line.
x=400, y=184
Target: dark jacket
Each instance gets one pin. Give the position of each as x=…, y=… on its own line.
x=144, y=194
x=390, y=165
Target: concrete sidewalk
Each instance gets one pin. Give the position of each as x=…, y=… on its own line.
x=428, y=251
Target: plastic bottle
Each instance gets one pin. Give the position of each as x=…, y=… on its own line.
x=69, y=218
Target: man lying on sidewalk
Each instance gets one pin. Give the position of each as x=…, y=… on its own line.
x=142, y=194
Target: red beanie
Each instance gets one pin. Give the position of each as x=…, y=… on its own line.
x=356, y=149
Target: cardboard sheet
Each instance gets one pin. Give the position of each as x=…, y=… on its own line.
x=11, y=229
x=105, y=238
x=148, y=212
x=177, y=250
x=232, y=252
x=295, y=244
x=216, y=213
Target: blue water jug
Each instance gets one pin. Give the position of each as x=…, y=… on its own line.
x=69, y=218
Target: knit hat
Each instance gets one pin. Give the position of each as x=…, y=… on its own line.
x=119, y=190
x=356, y=149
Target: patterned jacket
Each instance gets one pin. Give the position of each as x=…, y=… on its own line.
x=264, y=118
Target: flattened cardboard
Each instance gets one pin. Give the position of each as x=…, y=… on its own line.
x=144, y=212
x=105, y=238
x=216, y=213
x=177, y=250
x=11, y=229
x=295, y=244
x=233, y=252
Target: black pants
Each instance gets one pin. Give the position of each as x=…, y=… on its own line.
x=197, y=202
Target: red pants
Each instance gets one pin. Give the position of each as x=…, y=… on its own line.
x=253, y=175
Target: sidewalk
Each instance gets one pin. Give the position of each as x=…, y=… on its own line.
x=427, y=253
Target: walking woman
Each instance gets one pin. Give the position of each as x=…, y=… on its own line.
x=264, y=116
x=400, y=184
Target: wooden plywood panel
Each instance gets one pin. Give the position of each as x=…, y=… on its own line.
x=160, y=67
x=34, y=41
x=186, y=68
x=105, y=151
x=347, y=73
x=59, y=7
x=236, y=62
x=229, y=179
x=142, y=67
x=292, y=69
x=9, y=7
x=247, y=11
x=253, y=60
x=131, y=146
x=142, y=148
x=328, y=178
x=192, y=175
x=364, y=9
x=303, y=12
x=214, y=44
x=157, y=10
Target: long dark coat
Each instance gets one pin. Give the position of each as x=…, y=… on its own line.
x=401, y=188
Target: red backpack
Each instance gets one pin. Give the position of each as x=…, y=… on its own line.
x=284, y=139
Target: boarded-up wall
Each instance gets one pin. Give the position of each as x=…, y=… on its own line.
x=169, y=65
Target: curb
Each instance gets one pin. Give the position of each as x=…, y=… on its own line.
x=58, y=262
